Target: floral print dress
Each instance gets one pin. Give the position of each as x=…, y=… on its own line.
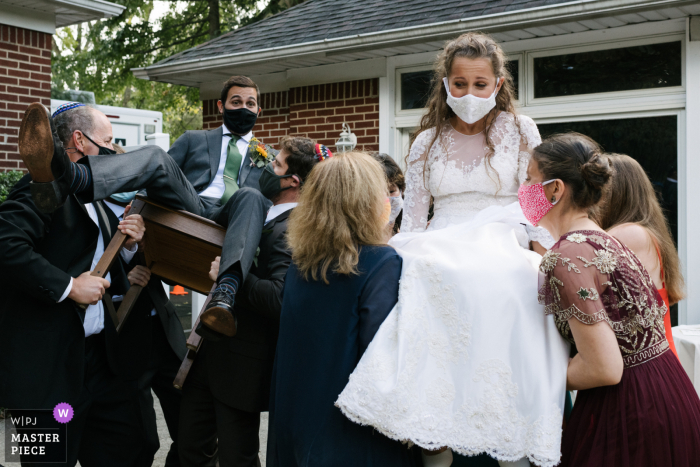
x=652, y=417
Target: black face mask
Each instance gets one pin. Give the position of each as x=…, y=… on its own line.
x=103, y=151
x=239, y=121
x=270, y=185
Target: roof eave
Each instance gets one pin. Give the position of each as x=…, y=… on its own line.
x=96, y=8
x=579, y=10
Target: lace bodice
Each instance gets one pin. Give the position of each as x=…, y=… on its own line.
x=593, y=278
x=457, y=176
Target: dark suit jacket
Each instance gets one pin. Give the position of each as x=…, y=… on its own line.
x=198, y=153
x=41, y=341
x=240, y=367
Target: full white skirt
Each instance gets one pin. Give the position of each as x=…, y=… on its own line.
x=467, y=357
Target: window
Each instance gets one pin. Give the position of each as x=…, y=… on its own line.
x=652, y=141
x=415, y=89
x=416, y=86
x=624, y=69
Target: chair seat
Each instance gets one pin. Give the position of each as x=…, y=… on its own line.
x=180, y=246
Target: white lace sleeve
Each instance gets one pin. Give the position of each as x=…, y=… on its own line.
x=417, y=196
x=540, y=235
x=530, y=138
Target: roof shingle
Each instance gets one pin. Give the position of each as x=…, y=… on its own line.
x=316, y=20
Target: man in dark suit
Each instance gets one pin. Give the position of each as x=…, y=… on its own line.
x=202, y=175
x=229, y=383
x=164, y=349
x=51, y=349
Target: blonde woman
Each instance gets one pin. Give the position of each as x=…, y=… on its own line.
x=341, y=285
x=467, y=360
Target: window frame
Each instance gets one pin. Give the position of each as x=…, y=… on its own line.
x=429, y=66
x=531, y=100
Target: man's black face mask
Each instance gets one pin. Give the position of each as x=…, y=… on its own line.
x=239, y=121
x=270, y=185
x=103, y=151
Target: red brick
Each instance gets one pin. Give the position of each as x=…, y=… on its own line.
x=262, y=134
x=353, y=118
x=271, y=126
x=307, y=113
x=334, y=104
x=16, y=56
x=366, y=140
x=306, y=129
x=8, y=97
x=343, y=110
x=316, y=135
x=365, y=108
x=369, y=124
x=317, y=105
x=270, y=112
x=19, y=74
x=372, y=116
x=8, y=63
x=11, y=47
x=30, y=84
x=372, y=100
x=372, y=131
x=297, y=107
x=40, y=92
x=278, y=133
x=329, y=127
x=316, y=120
x=325, y=112
x=354, y=101
x=337, y=118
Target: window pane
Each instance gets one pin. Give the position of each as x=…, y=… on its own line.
x=652, y=142
x=641, y=67
x=514, y=68
x=415, y=89
x=415, y=86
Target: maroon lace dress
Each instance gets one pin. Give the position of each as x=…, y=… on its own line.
x=652, y=417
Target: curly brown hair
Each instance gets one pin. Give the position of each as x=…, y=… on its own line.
x=301, y=156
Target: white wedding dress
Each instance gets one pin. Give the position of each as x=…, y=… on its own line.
x=467, y=358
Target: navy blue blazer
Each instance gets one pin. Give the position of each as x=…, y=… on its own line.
x=324, y=330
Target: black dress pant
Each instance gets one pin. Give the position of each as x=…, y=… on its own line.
x=163, y=365
x=106, y=429
x=203, y=419
x=153, y=169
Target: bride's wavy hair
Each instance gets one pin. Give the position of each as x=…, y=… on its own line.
x=341, y=208
x=470, y=45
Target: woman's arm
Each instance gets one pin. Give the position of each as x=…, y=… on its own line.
x=599, y=361
x=417, y=196
x=378, y=298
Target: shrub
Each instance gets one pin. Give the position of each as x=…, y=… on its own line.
x=7, y=181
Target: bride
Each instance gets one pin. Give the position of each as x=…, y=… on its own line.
x=467, y=360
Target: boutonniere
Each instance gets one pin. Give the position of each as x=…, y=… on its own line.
x=260, y=154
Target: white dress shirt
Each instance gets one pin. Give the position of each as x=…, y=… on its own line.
x=216, y=188
x=95, y=314
x=278, y=209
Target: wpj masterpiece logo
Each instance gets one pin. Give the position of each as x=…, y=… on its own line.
x=37, y=435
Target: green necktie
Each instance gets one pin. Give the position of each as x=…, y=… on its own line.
x=233, y=166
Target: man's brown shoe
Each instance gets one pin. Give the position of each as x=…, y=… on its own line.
x=45, y=158
x=218, y=320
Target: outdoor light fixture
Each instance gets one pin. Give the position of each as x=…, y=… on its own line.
x=347, y=141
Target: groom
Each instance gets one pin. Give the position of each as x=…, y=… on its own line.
x=212, y=177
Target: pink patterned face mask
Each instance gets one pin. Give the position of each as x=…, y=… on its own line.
x=534, y=202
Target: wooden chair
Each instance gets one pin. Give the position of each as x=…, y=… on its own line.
x=179, y=247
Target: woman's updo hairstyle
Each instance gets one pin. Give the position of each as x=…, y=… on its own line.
x=579, y=162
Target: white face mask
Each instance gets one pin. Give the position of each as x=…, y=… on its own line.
x=470, y=108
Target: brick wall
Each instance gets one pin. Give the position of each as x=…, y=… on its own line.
x=25, y=77
x=316, y=112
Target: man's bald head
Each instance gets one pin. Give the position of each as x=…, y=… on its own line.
x=77, y=126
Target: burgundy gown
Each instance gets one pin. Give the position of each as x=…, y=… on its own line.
x=652, y=417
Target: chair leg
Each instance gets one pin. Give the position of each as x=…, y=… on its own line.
x=132, y=295
x=194, y=341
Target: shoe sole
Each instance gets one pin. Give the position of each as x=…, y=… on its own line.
x=36, y=143
x=220, y=320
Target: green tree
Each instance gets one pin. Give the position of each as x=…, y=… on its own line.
x=98, y=56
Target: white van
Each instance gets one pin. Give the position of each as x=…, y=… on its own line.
x=130, y=126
